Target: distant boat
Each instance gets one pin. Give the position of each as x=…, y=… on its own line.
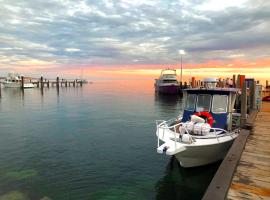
x=14, y=80
x=167, y=82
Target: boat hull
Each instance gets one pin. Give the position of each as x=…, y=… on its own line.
x=28, y=85
x=17, y=85
x=168, y=89
x=195, y=156
x=201, y=151
x=11, y=85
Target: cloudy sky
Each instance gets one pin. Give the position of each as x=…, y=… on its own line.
x=55, y=35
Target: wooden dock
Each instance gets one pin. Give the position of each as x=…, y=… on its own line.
x=251, y=179
x=245, y=171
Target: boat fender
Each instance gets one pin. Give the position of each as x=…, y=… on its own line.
x=186, y=138
x=207, y=115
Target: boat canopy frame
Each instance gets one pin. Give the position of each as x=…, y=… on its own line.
x=230, y=92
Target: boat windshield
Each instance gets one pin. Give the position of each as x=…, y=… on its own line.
x=203, y=103
x=169, y=81
x=190, y=103
x=220, y=103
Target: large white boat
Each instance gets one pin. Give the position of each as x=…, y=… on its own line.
x=167, y=82
x=205, y=131
x=14, y=80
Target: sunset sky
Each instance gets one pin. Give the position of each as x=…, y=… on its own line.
x=129, y=38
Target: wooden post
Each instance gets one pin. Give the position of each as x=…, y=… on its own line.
x=22, y=83
x=234, y=81
x=48, y=84
x=81, y=83
x=238, y=81
x=66, y=83
x=266, y=84
x=244, y=104
x=252, y=97
x=57, y=82
x=74, y=83
x=193, y=82
x=41, y=82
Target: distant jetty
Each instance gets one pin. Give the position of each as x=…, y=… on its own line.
x=21, y=82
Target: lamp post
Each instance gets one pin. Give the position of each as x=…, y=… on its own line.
x=181, y=52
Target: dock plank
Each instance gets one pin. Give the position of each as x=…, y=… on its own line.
x=252, y=177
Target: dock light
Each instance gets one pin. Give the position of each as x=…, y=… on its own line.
x=181, y=52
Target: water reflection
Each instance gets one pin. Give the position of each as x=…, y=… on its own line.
x=167, y=99
x=181, y=183
x=169, y=105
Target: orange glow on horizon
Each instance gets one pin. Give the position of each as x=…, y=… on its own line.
x=259, y=69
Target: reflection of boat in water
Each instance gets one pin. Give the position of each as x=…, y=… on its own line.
x=167, y=82
x=167, y=99
x=206, y=130
x=184, y=183
x=168, y=105
x=15, y=81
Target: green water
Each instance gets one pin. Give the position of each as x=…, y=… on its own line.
x=94, y=142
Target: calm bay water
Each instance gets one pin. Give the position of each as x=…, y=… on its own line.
x=94, y=142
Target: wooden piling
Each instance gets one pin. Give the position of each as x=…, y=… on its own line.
x=74, y=83
x=66, y=83
x=252, y=97
x=57, y=82
x=243, y=103
x=193, y=82
x=234, y=80
x=41, y=82
x=238, y=81
x=22, y=83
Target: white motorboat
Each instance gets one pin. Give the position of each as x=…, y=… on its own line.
x=167, y=82
x=205, y=131
x=14, y=80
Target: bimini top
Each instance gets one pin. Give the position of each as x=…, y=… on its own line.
x=212, y=90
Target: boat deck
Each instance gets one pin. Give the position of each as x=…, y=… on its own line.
x=252, y=177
